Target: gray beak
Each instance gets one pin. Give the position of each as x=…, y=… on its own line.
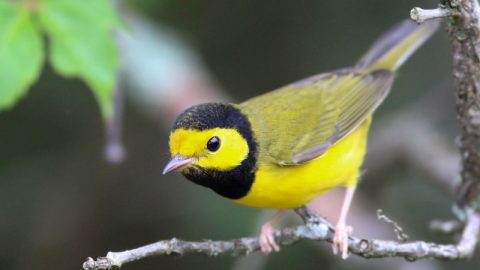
x=177, y=162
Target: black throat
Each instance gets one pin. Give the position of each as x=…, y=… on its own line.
x=234, y=183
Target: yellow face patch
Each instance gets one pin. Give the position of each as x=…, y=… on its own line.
x=193, y=143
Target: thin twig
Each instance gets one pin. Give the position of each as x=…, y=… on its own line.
x=114, y=150
x=315, y=229
x=401, y=235
x=445, y=227
x=420, y=15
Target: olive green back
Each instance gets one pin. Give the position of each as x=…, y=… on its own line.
x=301, y=121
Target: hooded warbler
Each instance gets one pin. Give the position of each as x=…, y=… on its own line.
x=284, y=148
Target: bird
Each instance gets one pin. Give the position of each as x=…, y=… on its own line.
x=282, y=149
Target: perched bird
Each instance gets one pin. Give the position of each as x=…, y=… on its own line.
x=284, y=148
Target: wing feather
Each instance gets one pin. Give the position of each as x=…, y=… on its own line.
x=301, y=121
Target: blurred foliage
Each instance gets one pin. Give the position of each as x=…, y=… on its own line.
x=21, y=52
x=81, y=44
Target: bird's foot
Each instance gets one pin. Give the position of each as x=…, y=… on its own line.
x=340, y=239
x=267, y=239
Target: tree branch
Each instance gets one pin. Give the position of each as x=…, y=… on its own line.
x=315, y=228
x=114, y=151
x=464, y=38
x=445, y=227
x=420, y=15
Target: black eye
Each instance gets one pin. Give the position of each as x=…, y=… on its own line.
x=213, y=144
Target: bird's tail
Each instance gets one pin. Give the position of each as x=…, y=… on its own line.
x=396, y=45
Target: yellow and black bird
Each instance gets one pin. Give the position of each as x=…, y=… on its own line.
x=284, y=148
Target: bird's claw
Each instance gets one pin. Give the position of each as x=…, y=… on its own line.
x=340, y=240
x=267, y=239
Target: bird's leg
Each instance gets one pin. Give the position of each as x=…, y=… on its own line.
x=266, y=237
x=342, y=231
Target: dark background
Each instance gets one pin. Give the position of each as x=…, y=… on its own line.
x=60, y=201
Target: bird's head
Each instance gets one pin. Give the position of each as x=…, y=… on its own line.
x=215, y=148
x=211, y=140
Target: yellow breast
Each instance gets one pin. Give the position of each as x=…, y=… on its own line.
x=293, y=186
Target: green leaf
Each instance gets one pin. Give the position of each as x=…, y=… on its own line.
x=21, y=53
x=82, y=44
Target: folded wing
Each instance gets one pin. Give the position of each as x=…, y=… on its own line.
x=303, y=120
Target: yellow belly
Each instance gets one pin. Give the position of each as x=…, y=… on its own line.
x=293, y=186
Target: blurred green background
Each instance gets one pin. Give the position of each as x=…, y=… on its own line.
x=60, y=201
